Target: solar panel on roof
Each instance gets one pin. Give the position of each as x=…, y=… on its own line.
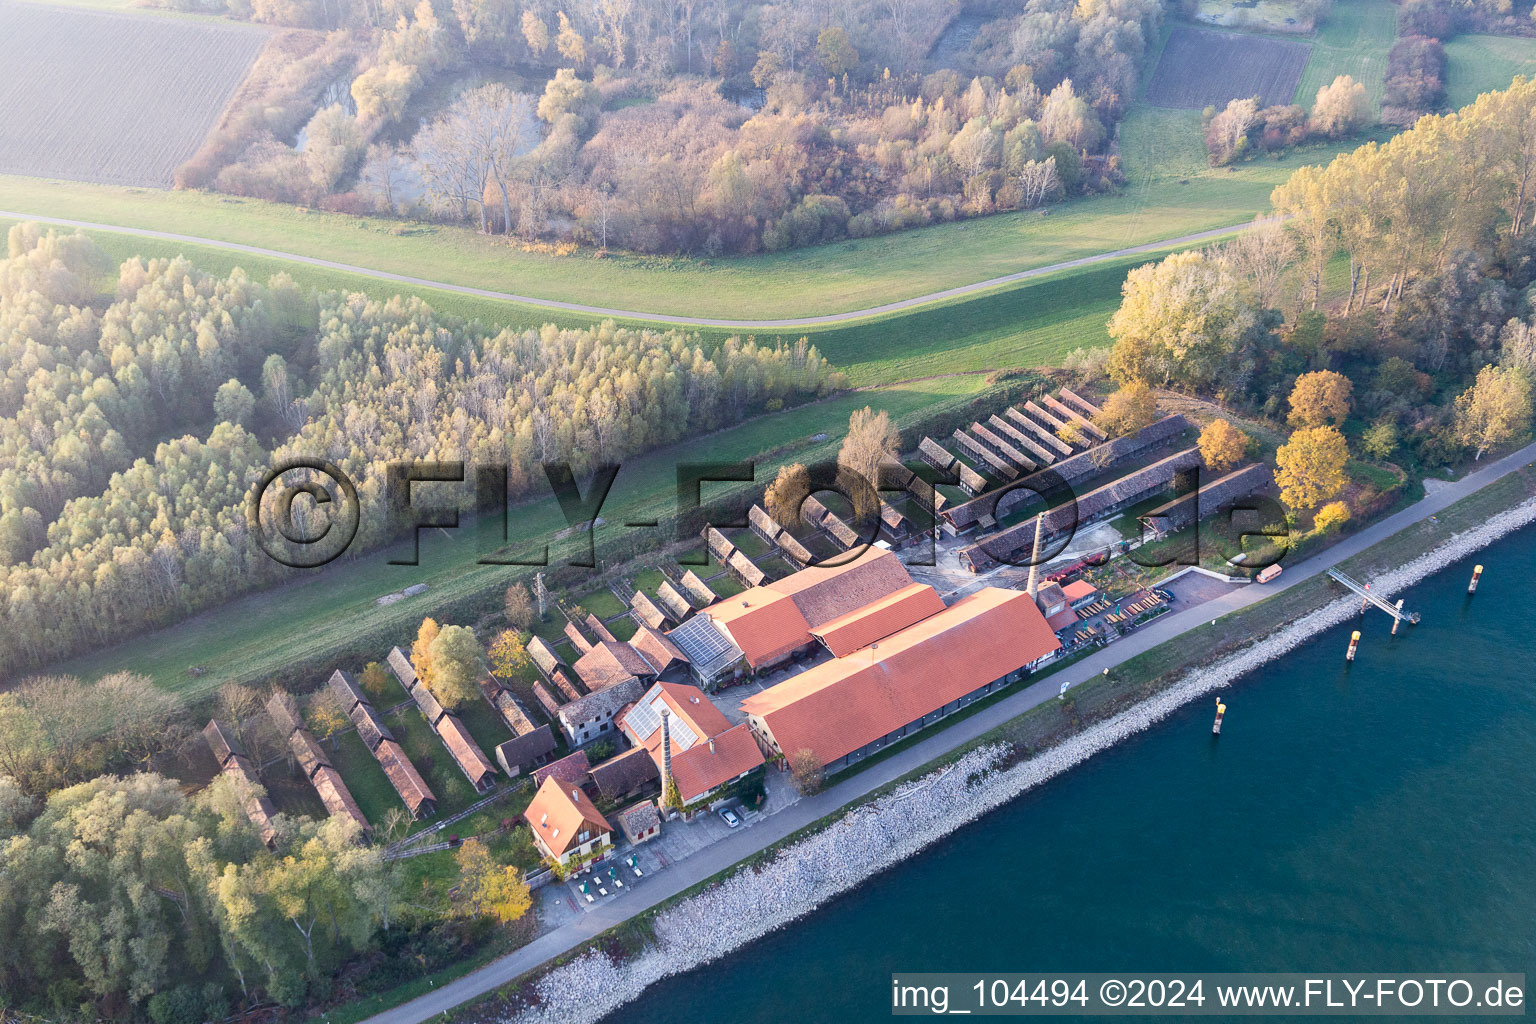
x=643, y=719
x=682, y=734
x=704, y=643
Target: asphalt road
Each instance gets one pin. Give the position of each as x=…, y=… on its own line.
x=630, y=314
x=745, y=842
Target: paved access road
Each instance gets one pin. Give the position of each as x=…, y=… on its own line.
x=631, y=314
x=745, y=842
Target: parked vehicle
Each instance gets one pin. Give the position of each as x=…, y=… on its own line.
x=730, y=817
x=1269, y=573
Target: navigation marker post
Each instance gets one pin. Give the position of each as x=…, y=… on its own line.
x=1477, y=574
x=1354, y=642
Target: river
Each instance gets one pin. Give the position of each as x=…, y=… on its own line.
x=1367, y=817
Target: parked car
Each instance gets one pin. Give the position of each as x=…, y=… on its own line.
x=730, y=817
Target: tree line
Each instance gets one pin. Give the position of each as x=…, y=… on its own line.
x=133, y=425
x=1431, y=340
x=731, y=127
x=122, y=897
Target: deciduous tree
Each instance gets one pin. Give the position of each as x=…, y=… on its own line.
x=807, y=771
x=1128, y=409
x=457, y=666
x=1342, y=108
x=783, y=498
x=421, y=650
x=1222, y=445
x=509, y=658
x=490, y=889
x=1320, y=398
x=1330, y=517
x=1311, y=467
x=518, y=607
x=1495, y=410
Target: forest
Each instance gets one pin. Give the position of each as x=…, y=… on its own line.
x=1429, y=352
x=726, y=127
x=138, y=409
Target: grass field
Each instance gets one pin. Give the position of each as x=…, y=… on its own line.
x=1353, y=40
x=99, y=95
x=1200, y=67
x=1478, y=64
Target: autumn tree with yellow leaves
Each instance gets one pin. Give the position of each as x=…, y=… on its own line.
x=1319, y=399
x=1311, y=467
x=1128, y=410
x=1495, y=410
x=489, y=889
x=1222, y=445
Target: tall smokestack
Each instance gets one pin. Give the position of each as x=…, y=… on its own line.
x=1034, y=558
x=666, y=750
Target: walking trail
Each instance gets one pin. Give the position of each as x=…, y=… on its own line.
x=633, y=314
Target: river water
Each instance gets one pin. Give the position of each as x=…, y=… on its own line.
x=1367, y=817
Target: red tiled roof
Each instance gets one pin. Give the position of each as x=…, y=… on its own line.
x=764, y=623
x=558, y=813
x=688, y=704
x=570, y=770
x=336, y=797
x=864, y=626
x=1062, y=619
x=709, y=764
x=822, y=593
x=403, y=776
x=841, y=705
x=610, y=662
x=471, y=759
x=659, y=651
x=1079, y=589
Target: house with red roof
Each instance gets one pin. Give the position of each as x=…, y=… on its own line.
x=847, y=708
x=567, y=828
x=690, y=740
x=1080, y=594
x=771, y=623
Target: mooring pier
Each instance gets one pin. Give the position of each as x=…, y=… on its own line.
x=1364, y=590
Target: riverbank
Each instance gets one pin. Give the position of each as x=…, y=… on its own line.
x=761, y=898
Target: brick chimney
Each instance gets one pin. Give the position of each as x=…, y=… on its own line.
x=1034, y=559
x=666, y=748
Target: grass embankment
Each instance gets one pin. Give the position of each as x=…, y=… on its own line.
x=841, y=276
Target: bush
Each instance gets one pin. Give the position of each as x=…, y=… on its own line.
x=181, y=1005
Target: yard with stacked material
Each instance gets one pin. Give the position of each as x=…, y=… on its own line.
x=101, y=96
x=1201, y=68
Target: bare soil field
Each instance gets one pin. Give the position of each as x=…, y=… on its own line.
x=90, y=95
x=1200, y=68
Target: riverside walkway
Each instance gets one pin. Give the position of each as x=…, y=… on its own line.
x=745, y=842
